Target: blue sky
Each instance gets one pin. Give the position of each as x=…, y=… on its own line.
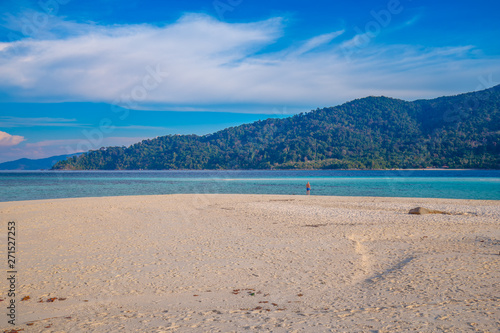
x=78, y=75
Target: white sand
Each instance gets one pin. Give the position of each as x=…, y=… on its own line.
x=222, y=263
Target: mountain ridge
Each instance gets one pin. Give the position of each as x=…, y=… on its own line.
x=33, y=164
x=458, y=131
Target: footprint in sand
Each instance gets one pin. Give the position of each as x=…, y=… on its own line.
x=364, y=267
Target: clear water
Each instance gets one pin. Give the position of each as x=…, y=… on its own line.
x=456, y=184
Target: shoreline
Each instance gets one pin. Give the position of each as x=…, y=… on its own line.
x=226, y=170
x=290, y=196
x=191, y=263
x=293, y=196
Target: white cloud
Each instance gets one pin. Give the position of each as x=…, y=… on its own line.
x=8, y=121
x=48, y=148
x=202, y=64
x=7, y=140
x=356, y=42
x=76, y=145
x=316, y=42
x=413, y=20
x=141, y=127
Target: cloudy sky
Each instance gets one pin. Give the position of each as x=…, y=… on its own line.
x=77, y=75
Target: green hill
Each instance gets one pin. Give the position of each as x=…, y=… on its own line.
x=371, y=133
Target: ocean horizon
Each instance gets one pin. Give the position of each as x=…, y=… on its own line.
x=451, y=184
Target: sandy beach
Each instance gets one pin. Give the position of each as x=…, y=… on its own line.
x=233, y=263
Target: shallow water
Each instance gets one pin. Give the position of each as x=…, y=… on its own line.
x=455, y=184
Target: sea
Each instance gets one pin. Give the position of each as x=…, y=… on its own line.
x=454, y=184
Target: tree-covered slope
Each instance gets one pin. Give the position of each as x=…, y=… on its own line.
x=375, y=132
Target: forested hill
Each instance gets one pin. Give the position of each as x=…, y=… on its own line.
x=371, y=133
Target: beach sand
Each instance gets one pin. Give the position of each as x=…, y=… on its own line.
x=234, y=263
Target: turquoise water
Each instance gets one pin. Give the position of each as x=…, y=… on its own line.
x=456, y=184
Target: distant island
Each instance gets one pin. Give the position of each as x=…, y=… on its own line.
x=37, y=164
x=460, y=131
